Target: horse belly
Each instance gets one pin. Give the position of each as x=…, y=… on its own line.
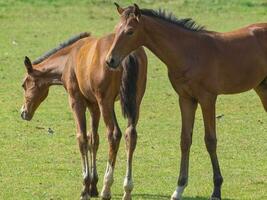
x=242, y=81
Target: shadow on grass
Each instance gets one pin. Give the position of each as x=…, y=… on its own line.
x=160, y=197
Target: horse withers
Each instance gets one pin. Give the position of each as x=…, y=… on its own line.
x=79, y=65
x=201, y=65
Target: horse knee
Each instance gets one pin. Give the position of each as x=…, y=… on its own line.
x=83, y=143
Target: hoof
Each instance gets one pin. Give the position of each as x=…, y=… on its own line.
x=215, y=198
x=105, y=194
x=127, y=196
x=106, y=198
x=94, y=192
x=175, y=198
x=85, y=196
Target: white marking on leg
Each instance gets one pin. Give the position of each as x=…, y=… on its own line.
x=108, y=180
x=128, y=184
x=128, y=187
x=177, y=195
x=85, y=168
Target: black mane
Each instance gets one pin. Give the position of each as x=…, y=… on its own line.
x=61, y=46
x=186, y=23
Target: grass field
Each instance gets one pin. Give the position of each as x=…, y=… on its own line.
x=37, y=165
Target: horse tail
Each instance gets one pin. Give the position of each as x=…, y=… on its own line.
x=128, y=88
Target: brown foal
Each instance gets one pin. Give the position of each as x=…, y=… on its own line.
x=79, y=65
x=201, y=65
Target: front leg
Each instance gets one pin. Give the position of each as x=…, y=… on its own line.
x=78, y=107
x=114, y=137
x=94, y=143
x=188, y=108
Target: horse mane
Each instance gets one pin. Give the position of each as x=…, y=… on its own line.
x=186, y=23
x=61, y=46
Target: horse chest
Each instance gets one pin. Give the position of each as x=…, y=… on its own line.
x=181, y=83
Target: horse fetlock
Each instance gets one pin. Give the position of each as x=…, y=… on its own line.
x=177, y=194
x=86, y=179
x=127, y=196
x=108, y=179
x=128, y=185
x=218, y=181
x=183, y=181
x=93, y=191
x=94, y=177
x=105, y=193
x=85, y=196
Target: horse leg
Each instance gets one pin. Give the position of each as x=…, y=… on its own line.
x=93, y=138
x=188, y=108
x=261, y=90
x=114, y=137
x=131, y=140
x=208, y=112
x=79, y=108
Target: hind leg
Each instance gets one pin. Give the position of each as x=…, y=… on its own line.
x=78, y=109
x=261, y=90
x=93, y=138
x=208, y=111
x=131, y=140
x=188, y=108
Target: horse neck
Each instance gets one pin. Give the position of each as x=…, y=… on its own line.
x=52, y=68
x=167, y=41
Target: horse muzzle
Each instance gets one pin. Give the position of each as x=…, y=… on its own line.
x=25, y=115
x=112, y=62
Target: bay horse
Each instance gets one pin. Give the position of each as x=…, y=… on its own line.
x=79, y=65
x=201, y=65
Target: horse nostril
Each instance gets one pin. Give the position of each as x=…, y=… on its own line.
x=22, y=114
x=110, y=62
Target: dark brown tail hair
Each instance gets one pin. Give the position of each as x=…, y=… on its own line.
x=128, y=87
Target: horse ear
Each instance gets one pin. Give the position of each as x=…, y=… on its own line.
x=119, y=9
x=28, y=65
x=137, y=12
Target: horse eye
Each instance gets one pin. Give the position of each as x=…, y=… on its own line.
x=129, y=32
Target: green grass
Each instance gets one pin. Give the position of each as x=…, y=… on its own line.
x=36, y=165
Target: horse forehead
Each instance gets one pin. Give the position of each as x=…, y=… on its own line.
x=121, y=23
x=28, y=79
x=24, y=79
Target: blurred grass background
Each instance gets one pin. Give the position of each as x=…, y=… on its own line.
x=37, y=165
